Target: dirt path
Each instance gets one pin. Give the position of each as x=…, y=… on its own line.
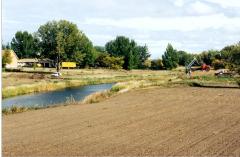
x=173, y=121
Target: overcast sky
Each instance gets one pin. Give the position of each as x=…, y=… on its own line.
x=190, y=25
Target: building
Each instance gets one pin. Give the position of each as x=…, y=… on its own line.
x=27, y=62
x=46, y=63
x=14, y=62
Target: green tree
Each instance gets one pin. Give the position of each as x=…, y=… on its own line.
x=235, y=58
x=170, y=58
x=184, y=58
x=226, y=53
x=134, y=55
x=6, y=58
x=231, y=56
x=142, y=55
x=209, y=56
x=65, y=36
x=121, y=46
x=24, y=44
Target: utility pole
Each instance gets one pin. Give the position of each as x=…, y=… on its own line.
x=58, y=62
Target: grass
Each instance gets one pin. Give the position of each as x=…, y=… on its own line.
x=47, y=86
x=16, y=109
x=97, y=97
x=70, y=100
x=73, y=80
x=126, y=80
x=93, y=98
x=121, y=88
x=19, y=109
x=212, y=81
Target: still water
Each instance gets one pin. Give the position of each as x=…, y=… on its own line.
x=54, y=97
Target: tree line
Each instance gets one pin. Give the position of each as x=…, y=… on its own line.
x=228, y=57
x=63, y=41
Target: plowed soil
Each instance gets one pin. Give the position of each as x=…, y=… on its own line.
x=157, y=121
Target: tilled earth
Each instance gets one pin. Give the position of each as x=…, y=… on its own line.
x=157, y=121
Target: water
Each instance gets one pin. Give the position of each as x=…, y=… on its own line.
x=54, y=97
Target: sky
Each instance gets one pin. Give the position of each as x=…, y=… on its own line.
x=189, y=25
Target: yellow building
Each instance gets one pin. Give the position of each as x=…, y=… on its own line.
x=14, y=63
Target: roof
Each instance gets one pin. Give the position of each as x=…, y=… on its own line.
x=46, y=60
x=11, y=51
x=28, y=60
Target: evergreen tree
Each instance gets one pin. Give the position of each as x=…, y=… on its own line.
x=170, y=58
x=24, y=44
x=134, y=55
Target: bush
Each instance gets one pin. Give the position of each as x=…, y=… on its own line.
x=107, y=61
x=156, y=64
x=5, y=111
x=14, y=109
x=147, y=64
x=218, y=64
x=238, y=70
x=238, y=82
x=6, y=57
x=14, y=70
x=116, y=88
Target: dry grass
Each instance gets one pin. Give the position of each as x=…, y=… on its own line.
x=123, y=87
x=23, y=83
x=14, y=109
x=97, y=97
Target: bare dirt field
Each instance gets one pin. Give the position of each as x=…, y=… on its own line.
x=156, y=121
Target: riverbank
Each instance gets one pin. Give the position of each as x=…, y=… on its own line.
x=44, y=86
x=126, y=81
x=116, y=89
x=15, y=84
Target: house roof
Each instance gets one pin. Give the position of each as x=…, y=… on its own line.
x=28, y=60
x=12, y=53
x=45, y=60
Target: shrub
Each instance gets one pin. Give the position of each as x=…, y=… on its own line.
x=238, y=82
x=5, y=111
x=147, y=64
x=238, y=71
x=14, y=109
x=6, y=58
x=14, y=70
x=156, y=64
x=218, y=64
x=96, y=97
x=116, y=88
x=107, y=61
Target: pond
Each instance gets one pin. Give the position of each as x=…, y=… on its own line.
x=54, y=97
